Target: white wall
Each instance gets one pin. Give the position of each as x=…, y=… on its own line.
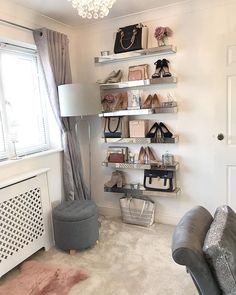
x=199, y=28
x=53, y=161
x=27, y=17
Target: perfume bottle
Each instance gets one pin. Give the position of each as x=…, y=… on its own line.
x=170, y=101
x=168, y=159
x=131, y=158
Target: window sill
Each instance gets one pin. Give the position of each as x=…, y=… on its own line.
x=32, y=156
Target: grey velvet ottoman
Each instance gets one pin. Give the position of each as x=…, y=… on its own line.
x=75, y=225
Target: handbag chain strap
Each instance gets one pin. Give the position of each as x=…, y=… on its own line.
x=131, y=41
x=117, y=126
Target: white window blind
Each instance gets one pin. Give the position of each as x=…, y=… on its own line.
x=23, y=112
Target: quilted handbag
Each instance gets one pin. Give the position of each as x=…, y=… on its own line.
x=130, y=38
x=158, y=180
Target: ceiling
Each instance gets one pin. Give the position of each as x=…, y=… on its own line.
x=61, y=10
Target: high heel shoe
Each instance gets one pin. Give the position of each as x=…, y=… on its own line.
x=142, y=157
x=155, y=101
x=120, y=103
x=157, y=73
x=148, y=102
x=104, y=81
x=153, y=131
x=151, y=156
x=165, y=68
x=115, y=79
x=165, y=132
x=116, y=180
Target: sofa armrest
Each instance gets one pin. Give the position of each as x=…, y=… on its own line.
x=187, y=244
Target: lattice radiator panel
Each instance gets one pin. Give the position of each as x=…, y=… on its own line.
x=25, y=218
x=21, y=222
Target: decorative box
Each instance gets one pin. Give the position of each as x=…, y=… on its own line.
x=134, y=99
x=138, y=128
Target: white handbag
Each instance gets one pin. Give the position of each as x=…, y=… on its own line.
x=137, y=210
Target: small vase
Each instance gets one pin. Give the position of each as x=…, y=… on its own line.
x=163, y=41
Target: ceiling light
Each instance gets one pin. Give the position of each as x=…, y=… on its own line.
x=92, y=8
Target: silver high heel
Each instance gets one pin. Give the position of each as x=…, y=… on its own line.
x=104, y=81
x=117, y=78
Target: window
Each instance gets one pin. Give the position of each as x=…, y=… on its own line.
x=23, y=113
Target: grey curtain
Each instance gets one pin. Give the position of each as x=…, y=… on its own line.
x=53, y=53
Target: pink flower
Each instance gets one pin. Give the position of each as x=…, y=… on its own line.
x=162, y=32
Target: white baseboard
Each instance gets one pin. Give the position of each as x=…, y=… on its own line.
x=159, y=218
x=109, y=211
x=167, y=218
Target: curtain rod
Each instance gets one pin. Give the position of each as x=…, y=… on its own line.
x=16, y=25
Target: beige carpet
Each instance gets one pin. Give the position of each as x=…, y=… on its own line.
x=129, y=260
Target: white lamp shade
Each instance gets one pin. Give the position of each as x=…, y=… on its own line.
x=79, y=99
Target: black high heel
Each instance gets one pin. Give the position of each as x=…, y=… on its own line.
x=157, y=73
x=165, y=68
x=153, y=131
x=165, y=132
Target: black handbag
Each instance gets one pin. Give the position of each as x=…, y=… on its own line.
x=158, y=180
x=131, y=38
x=116, y=127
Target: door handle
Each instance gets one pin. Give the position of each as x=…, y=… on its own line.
x=220, y=136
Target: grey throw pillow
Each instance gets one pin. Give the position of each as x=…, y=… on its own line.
x=220, y=249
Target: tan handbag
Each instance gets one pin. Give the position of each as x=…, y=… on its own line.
x=139, y=72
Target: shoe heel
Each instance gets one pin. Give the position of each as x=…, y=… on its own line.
x=153, y=131
x=165, y=68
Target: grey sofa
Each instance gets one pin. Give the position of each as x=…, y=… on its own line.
x=187, y=245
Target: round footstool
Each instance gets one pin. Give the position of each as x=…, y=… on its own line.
x=75, y=225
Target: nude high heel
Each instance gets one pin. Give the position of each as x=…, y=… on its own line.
x=151, y=156
x=155, y=101
x=120, y=103
x=142, y=157
x=148, y=102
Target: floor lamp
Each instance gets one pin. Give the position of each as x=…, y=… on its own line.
x=80, y=100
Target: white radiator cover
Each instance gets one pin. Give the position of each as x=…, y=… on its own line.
x=25, y=218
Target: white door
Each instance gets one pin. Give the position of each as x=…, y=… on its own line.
x=225, y=133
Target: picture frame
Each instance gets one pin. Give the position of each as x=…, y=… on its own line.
x=134, y=99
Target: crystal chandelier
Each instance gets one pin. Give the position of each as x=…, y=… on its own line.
x=92, y=8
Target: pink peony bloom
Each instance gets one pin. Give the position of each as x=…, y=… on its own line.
x=162, y=32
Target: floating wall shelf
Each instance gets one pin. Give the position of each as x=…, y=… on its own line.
x=172, y=109
x=139, y=83
x=155, y=166
x=142, y=140
x=141, y=191
x=169, y=49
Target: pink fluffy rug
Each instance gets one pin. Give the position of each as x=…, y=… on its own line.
x=37, y=278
